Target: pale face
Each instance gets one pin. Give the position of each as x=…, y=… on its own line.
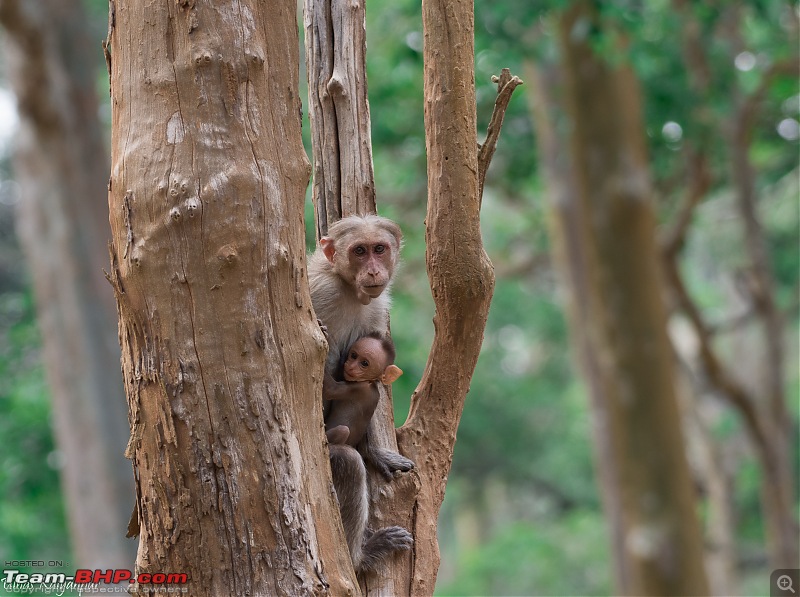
x=366, y=360
x=364, y=256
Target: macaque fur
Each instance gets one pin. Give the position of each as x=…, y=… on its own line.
x=369, y=360
x=350, y=274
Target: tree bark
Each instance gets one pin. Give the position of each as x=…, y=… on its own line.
x=222, y=357
x=604, y=231
x=62, y=167
x=336, y=47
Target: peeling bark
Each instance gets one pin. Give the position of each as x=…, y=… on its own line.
x=336, y=45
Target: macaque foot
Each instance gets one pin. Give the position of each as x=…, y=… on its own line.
x=338, y=435
x=381, y=544
x=324, y=329
x=388, y=463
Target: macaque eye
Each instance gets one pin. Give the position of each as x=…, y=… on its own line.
x=359, y=250
x=365, y=364
x=379, y=249
x=353, y=355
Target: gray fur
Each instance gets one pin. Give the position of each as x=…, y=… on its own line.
x=367, y=549
x=338, y=315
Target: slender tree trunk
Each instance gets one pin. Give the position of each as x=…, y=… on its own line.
x=222, y=357
x=460, y=273
x=62, y=166
x=605, y=232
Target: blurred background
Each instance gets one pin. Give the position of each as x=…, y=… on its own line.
x=522, y=514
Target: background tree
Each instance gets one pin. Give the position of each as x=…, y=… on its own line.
x=762, y=406
x=604, y=230
x=61, y=166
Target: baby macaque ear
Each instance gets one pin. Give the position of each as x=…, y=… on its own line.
x=326, y=243
x=391, y=374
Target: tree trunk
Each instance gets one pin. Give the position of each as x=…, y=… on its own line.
x=605, y=235
x=460, y=273
x=222, y=357
x=62, y=167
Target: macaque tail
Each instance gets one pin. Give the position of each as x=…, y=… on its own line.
x=350, y=482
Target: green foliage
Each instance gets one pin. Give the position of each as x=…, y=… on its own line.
x=32, y=525
x=519, y=560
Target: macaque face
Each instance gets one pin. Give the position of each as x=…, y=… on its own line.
x=366, y=360
x=365, y=256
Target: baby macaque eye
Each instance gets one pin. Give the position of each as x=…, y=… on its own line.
x=359, y=250
x=379, y=249
x=365, y=364
x=353, y=355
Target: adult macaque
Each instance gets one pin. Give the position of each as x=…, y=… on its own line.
x=370, y=359
x=349, y=275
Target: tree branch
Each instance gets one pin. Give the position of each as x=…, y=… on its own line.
x=699, y=184
x=506, y=84
x=715, y=372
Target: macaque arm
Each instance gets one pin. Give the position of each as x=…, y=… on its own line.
x=335, y=390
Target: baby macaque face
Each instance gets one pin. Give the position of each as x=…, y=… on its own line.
x=366, y=360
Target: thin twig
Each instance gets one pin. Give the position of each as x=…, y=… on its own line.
x=699, y=184
x=506, y=83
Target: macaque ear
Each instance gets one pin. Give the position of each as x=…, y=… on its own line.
x=326, y=243
x=391, y=374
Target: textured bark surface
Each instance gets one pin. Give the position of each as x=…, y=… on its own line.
x=607, y=236
x=62, y=167
x=336, y=44
x=222, y=357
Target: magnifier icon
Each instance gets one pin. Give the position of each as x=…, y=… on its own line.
x=784, y=583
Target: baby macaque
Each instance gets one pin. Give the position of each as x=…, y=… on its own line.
x=369, y=360
x=353, y=401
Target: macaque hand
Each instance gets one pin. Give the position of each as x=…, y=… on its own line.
x=324, y=330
